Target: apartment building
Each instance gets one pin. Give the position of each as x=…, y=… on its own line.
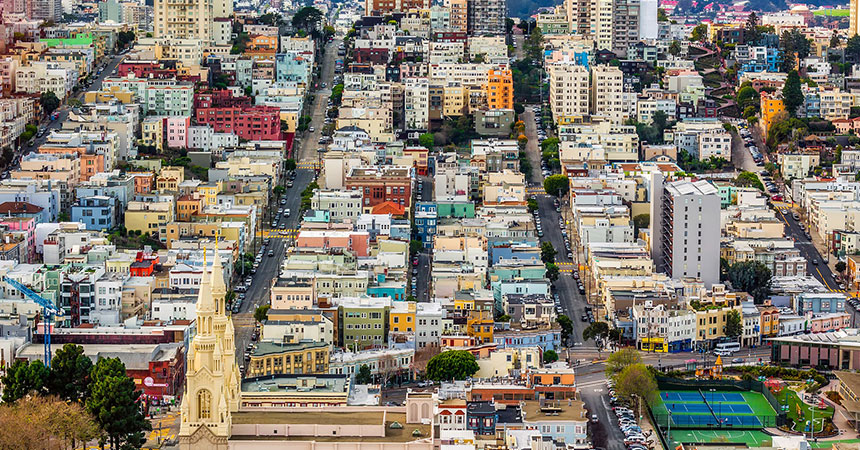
x=416, y=97
x=685, y=217
x=500, y=89
x=607, y=83
x=568, y=92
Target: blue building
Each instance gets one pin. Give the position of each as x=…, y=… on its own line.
x=481, y=417
x=758, y=58
x=97, y=213
x=545, y=339
x=425, y=222
x=514, y=251
x=816, y=303
x=291, y=67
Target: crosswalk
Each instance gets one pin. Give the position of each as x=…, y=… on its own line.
x=308, y=165
x=535, y=190
x=290, y=233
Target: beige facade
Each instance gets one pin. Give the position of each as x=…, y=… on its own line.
x=607, y=84
x=568, y=92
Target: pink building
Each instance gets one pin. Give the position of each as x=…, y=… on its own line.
x=357, y=242
x=176, y=131
x=26, y=226
x=828, y=322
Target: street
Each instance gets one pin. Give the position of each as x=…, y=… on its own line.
x=269, y=268
x=816, y=265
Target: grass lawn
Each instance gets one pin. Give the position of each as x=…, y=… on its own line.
x=833, y=12
x=792, y=398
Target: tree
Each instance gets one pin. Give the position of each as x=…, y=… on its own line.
x=306, y=19
x=556, y=184
x=635, y=380
x=388, y=367
x=834, y=40
x=547, y=252
x=661, y=15
x=852, y=48
x=426, y=140
x=452, y=365
x=519, y=108
x=70, y=373
x=566, y=326
x=595, y=331
x=700, y=33
x=640, y=221
x=734, y=324
x=279, y=191
x=49, y=101
x=675, y=48
x=550, y=356
x=747, y=96
x=114, y=401
x=290, y=164
x=660, y=120
x=840, y=267
x=45, y=422
x=748, y=179
x=261, y=314
x=415, y=247
x=621, y=359
x=752, y=277
x=24, y=378
x=363, y=375
x=532, y=205
x=792, y=95
x=751, y=30
x=552, y=271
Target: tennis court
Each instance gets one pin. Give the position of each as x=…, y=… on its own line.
x=748, y=437
x=706, y=409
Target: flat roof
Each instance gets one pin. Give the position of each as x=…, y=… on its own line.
x=549, y=412
x=311, y=416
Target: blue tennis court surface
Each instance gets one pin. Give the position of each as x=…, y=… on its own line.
x=738, y=421
x=736, y=409
x=688, y=408
x=685, y=396
x=712, y=397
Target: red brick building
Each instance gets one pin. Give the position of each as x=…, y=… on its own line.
x=382, y=184
x=254, y=123
x=143, y=265
x=371, y=55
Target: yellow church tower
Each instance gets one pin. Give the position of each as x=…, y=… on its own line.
x=212, y=376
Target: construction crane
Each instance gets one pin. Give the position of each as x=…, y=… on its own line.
x=49, y=310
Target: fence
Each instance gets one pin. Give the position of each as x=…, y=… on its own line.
x=718, y=420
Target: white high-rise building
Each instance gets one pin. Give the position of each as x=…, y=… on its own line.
x=416, y=101
x=685, y=229
x=648, y=19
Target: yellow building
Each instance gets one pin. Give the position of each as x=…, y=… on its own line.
x=771, y=108
x=113, y=93
x=712, y=311
x=152, y=130
x=148, y=217
x=500, y=89
x=479, y=325
x=402, y=317
x=209, y=193
x=169, y=178
x=454, y=103
x=270, y=358
x=173, y=231
x=262, y=45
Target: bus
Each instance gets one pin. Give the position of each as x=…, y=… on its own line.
x=727, y=348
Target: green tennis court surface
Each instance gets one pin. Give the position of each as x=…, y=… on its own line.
x=749, y=437
x=695, y=409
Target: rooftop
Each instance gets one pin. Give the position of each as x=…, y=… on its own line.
x=571, y=410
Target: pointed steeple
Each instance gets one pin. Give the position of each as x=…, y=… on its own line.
x=219, y=288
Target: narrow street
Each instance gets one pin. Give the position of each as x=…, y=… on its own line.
x=533, y=146
x=309, y=141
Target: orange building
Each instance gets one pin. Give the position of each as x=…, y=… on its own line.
x=262, y=44
x=91, y=163
x=187, y=206
x=479, y=324
x=771, y=107
x=503, y=393
x=500, y=89
x=143, y=182
x=553, y=384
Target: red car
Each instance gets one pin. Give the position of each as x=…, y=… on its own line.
x=776, y=198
